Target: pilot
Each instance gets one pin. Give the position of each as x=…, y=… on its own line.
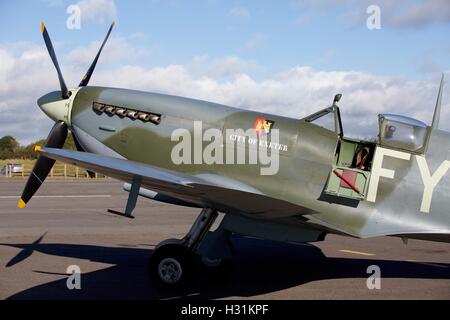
x=361, y=158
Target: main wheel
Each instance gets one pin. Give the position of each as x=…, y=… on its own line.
x=170, y=266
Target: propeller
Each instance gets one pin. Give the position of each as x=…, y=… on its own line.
x=88, y=74
x=43, y=165
x=81, y=149
x=56, y=108
x=51, y=52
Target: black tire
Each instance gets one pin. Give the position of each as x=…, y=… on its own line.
x=219, y=273
x=170, y=266
x=216, y=268
x=214, y=265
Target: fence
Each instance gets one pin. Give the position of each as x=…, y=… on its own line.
x=18, y=169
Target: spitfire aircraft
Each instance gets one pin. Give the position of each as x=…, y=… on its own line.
x=316, y=180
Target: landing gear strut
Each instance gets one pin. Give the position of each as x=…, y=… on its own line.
x=173, y=261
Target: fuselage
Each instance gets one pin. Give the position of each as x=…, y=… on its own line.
x=306, y=153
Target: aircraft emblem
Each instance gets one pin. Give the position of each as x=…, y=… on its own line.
x=262, y=125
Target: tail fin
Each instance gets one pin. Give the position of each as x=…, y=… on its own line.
x=437, y=110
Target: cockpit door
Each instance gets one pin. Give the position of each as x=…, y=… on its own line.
x=350, y=168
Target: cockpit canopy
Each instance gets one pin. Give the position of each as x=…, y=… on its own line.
x=397, y=132
x=402, y=132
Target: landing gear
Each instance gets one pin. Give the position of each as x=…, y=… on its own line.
x=170, y=265
x=173, y=261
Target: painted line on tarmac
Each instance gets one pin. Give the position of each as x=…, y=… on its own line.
x=63, y=196
x=357, y=252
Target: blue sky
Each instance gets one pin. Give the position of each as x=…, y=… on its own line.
x=210, y=46
x=284, y=33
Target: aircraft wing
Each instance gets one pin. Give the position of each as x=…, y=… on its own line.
x=221, y=193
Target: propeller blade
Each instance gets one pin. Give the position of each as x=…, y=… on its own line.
x=84, y=82
x=43, y=165
x=81, y=149
x=77, y=143
x=51, y=51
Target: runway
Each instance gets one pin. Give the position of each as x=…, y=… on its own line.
x=66, y=223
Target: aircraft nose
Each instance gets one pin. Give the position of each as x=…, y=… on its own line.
x=54, y=106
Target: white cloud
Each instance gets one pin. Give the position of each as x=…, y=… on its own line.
x=221, y=68
x=27, y=73
x=394, y=13
x=138, y=36
x=239, y=12
x=97, y=10
x=296, y=92
x=25, y=76
x=424, y=13
x=82, y=57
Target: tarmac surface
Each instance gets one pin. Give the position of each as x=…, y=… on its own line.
x=66, y=224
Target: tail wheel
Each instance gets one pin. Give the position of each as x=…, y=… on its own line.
x=217, y=268
x=211, y=263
